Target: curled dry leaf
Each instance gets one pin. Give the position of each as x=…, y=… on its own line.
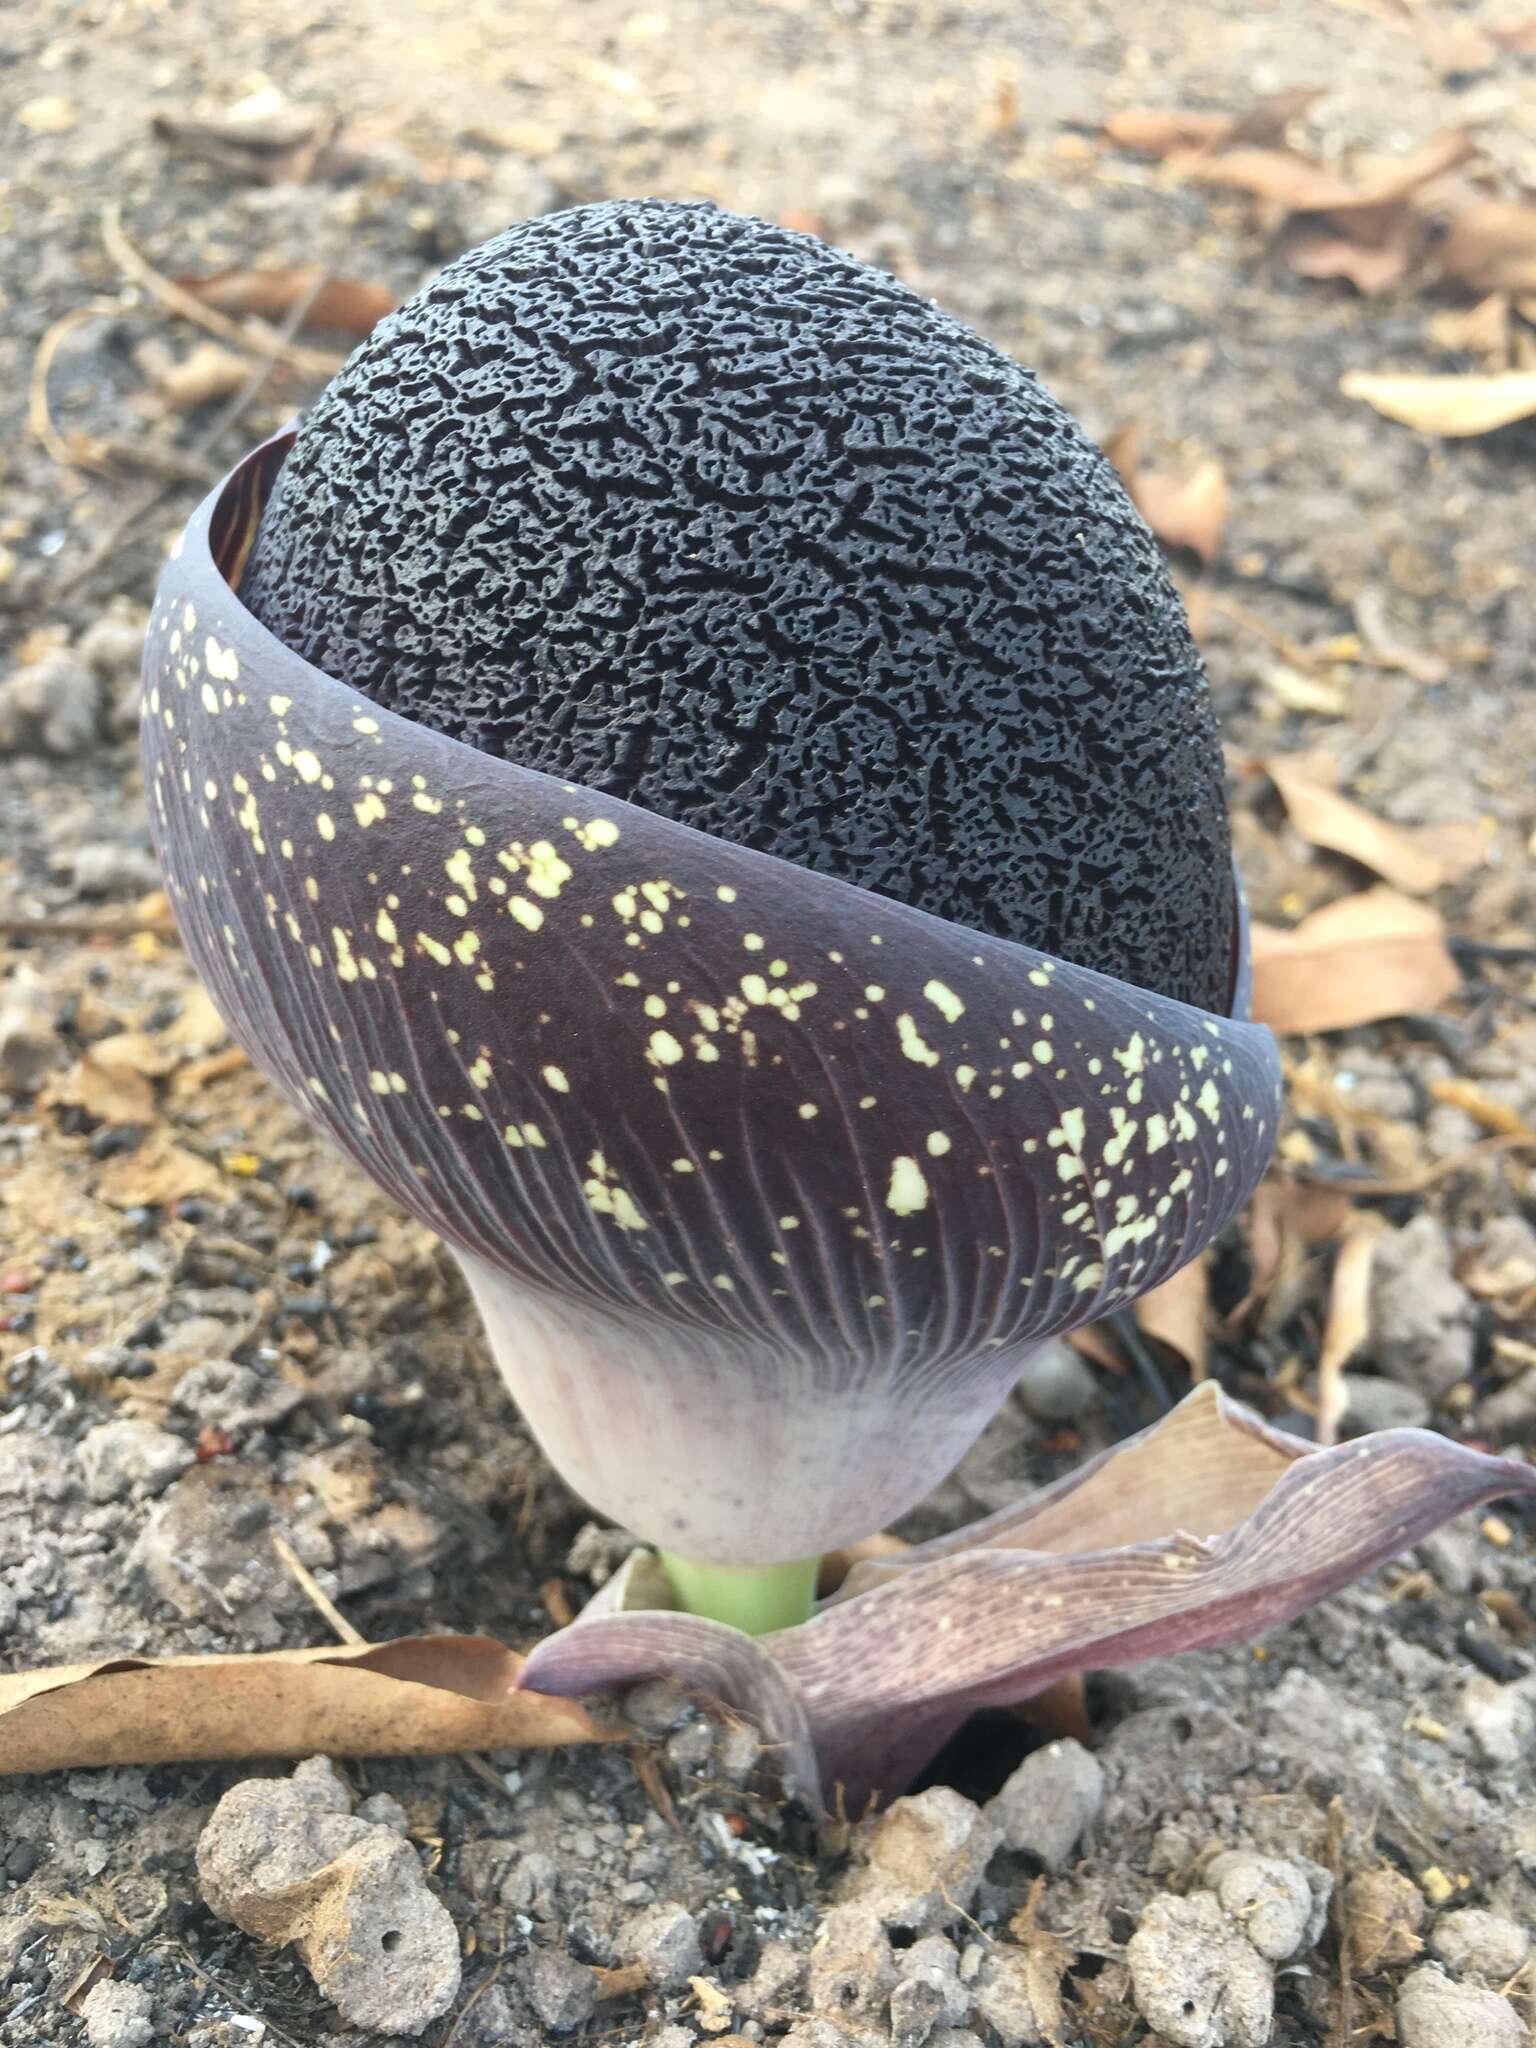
x=1177, y=1314
x=264, y=139
x=1449, y=406
x=1349, y=1319
x=205, y=373
x=419, y=1696
x=1165, y=132
x=1415, y=859
x=1377, y=954
x=1184, y=511
x=344, y=305
x=1209, y=1528
x=1491, y=247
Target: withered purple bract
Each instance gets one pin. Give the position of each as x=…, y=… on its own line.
x=765, y=1185
x=1209, y=1528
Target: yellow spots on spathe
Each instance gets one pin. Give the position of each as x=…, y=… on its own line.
x=554, y=1077
x=1181, y=1180
x=753, y=941
x=663, y=1050
x=874, y=993
x=726, y=893
x=476, y=1116
x=789, y=1223
x=311, y=888
x=808, y=1110
x=1090, y=1276
x=908, y=1191
x=547, y=872
x=317, y=1088
x=460, y=870
x=754, y=988
x=279, y=706
x=596, y=834
x=369, y=809
x=1183, y=1122
x=378, y=1081
x=346, y=964
x=965, y=1076
x=480, y=1073
x=222, y=663
x=365, y=725
x=1221, y=1168
x=306, y=766
x=434, y=949
x=384, y=925
x=210, y=698
x=432, y=805
x=1157, y=1133
x=465, y=947
x=325, y=825
x=1043, y=1051
x=626, y=903
x=1209, y=1099
x=938, y=1144
x=945, y=1001
x=1126, y=1128
x=1133, y=1057
x=683, y=1166
x=528, y=915
x=913, y=1043
x=607, y=1198
x=725, y=1283
x=1071, y=1131
x=655, y=1006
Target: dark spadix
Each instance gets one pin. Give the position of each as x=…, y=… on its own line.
x=764, y=1182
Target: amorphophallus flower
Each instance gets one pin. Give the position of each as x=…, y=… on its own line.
x=690, y=768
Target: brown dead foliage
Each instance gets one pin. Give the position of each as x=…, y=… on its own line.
x=1369, y=956
x=1184, y=509
x=341, y=305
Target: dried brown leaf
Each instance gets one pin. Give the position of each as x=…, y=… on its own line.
x=1482, y=330
x=1349, y=1320
x=264, y=139
x=1448, y=406
x=1183, y=511
x=1163, y=131
x=1415, y=859
x=419, y=1696
x=205, y=373
x=1369, y=956
x=1482, y=1107
x=110, y=1094
x=344, y=305
x=1371, y=267
x=1177, y=1314
x=1491, y=247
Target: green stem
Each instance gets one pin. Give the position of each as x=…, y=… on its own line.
x=756, y=1598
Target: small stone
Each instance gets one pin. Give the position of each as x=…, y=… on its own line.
x=117, y=2015
x=1499, y=1717
x=923, y=1860
x=52, y=706
x=1049, y=1802
x=1432, y=2012
x=1281, y=1907
x=561, y=1991
x=853, y=1971
x=1510, y=1414
x=112, y=648
x=691, y=1748
x=1422, y=1318
x=1194, y=1977
x=1002, y=1999
x=935, y=1961
x=385, y=1811
x=234, y=1397
x=915, y=2009
x=777, y=1986
x=29, y=1046
x=1481, y=1945
x=286, y=1860
x=1057, y=1384
x=122, y=1457
x=664, y=1941
x=103, y=869
x=737, y=1750
x=1383, y=1912
x=1381, y=1404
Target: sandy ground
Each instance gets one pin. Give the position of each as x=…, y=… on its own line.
x=178, y=1250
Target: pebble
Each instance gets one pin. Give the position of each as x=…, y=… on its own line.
x=1432, y=2012
x=1499, y=1717
x=853, y=1971
x=286, y=1860
x=658, y=1705
x=29, y=1046
x=1381, y=1404
x=923, y=1860
x=934, y=1961
x=777, y=1986
x=117, y=2015
x=1194, y=1977
x=1057, y=1384
x=1383, y=1912
x=1421, y=1316
x=1510, y=1414
x=104, y=869
x=121, y=1457
x=1001, y=1995
x=1479, y=1944
x=1281, y=1907
x=52, y=706
x=1049, y=1802
x=561, y=1991
x=664, y=1941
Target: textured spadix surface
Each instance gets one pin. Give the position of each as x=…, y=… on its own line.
x=1209, y=1528
x=699, y=512
x=764, y=1183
